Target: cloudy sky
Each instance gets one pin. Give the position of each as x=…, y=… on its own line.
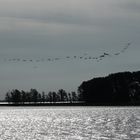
x=34, y=31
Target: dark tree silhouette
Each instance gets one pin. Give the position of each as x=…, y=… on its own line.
x=8, y=97
x=115, y=89
x=69, y=97
x=50, y=97
x=23, y=97
x=74, y=96
x=43, y=98
x=16, y=96
x=34, y=95
x=62, y=95
x=134, y=91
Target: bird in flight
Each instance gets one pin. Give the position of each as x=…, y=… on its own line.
x=85, y=56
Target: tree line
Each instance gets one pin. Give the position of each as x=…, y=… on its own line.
x=115, y=89
x=34, y=97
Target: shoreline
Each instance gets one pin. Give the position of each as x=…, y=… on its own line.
x=71, y=104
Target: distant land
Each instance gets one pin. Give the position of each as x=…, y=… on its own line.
x=118, y=89
x=121, y=88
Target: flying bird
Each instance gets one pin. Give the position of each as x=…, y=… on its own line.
x=117, y=54
x=84, y=57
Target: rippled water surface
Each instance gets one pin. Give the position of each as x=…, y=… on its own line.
x=70, y=123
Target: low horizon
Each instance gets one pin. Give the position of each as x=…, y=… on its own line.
x=41, y=92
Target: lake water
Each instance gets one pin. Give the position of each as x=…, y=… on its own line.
x=69, y=123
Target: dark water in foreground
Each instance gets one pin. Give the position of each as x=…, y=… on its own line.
x=70, y=123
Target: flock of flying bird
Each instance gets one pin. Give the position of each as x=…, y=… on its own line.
x=84, y=57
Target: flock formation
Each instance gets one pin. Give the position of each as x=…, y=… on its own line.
x=82, y=57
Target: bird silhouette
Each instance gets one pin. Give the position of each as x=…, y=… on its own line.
x=85, y=56
x=123, y=49
x=116, y=53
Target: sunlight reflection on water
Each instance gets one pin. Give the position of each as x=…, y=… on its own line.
x=70, y=123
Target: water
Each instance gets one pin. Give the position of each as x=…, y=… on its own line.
x=69, y=123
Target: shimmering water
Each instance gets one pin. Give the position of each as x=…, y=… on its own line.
x=70, y=123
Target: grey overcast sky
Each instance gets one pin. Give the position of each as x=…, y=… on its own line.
x=32, y=31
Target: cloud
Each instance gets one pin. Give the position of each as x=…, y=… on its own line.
x=74, y=11
x=132, y=6
x=94, y=14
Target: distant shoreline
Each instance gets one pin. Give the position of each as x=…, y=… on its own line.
x=72, y=104
x=118, y=89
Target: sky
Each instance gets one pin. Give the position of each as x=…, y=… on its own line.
x=51, y=44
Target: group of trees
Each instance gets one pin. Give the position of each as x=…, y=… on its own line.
x=116, y=89
x=34, y=97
